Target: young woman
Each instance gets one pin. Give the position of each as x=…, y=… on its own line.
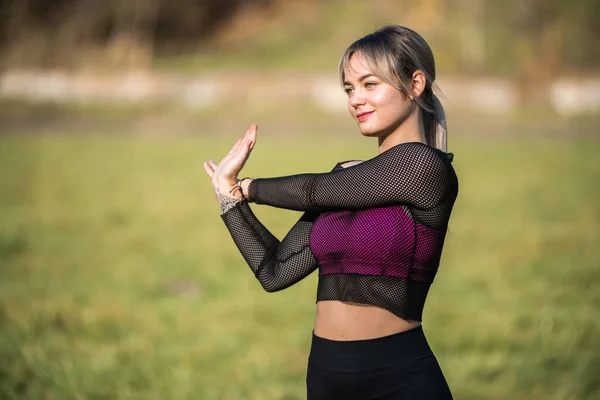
x=374, y=229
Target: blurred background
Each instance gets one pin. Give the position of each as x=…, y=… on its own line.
x=118, y=279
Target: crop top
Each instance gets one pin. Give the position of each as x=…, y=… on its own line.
x=374, y=230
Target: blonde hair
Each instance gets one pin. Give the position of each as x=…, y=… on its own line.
x=394, y=53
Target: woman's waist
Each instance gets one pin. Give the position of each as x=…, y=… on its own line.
x=341, y=321
x=351, y=355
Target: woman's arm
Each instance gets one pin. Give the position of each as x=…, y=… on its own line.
x=409, y=173
x=277, y=265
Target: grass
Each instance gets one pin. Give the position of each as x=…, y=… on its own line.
x=119, y=281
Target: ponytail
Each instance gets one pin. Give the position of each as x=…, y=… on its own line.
x=441, y=129
x=434, y=121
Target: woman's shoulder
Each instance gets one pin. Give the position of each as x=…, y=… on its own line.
x=417, y=153
x=418, y=150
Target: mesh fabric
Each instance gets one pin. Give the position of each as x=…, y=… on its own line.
x=375, y=230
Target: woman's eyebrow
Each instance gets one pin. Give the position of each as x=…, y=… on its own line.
x=360, y=79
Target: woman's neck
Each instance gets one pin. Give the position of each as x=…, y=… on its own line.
x=411, y=130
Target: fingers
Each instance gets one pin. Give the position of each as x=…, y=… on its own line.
x=209, y=169
x=248, y=139
x=251, y=134
x=235, y=147
x=246, y=147
x=237, y=155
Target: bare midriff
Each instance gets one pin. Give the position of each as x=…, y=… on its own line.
x=340, y=321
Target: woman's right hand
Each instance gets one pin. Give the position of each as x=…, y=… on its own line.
x=224, y=175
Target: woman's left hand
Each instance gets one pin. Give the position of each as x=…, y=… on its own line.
x=224, y=175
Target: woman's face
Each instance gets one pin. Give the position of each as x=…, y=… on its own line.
x=378, y=108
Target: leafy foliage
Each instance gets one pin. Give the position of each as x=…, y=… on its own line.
x=525, y=38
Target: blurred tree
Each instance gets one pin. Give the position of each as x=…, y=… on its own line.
x=131, y=37
x=38, y=32
x=471, y=18
x=537, y=40
x=533, y=39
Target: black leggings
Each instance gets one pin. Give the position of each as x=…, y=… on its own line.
x=399, y=366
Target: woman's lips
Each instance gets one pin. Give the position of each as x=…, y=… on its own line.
x=364, y=115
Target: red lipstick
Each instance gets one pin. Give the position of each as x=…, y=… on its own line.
x=364, y=115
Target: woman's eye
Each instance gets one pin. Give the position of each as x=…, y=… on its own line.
x=370, y=84
x=348, y=90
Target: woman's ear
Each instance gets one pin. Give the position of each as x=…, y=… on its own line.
x=418, y=83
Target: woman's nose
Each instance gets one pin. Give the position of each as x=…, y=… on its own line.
x=356, y=99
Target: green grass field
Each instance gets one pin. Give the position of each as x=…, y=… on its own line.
x=118, y=279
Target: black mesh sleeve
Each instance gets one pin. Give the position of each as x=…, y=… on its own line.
x=409, y=173
x=277, y=265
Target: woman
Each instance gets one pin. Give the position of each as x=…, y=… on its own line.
x=374, y=229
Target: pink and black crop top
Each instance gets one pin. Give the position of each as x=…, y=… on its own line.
x=374, y=230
